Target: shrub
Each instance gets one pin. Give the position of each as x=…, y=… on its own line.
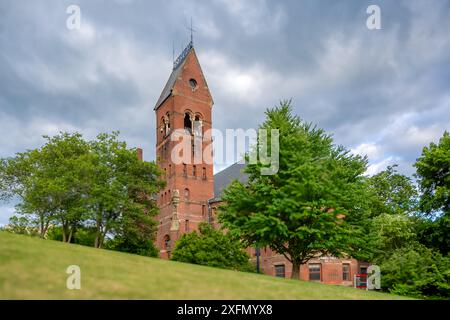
x=211, y=247
x=416, y=271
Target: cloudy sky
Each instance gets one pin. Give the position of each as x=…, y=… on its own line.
x=384, y=93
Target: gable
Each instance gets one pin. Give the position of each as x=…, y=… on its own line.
x=186, y=67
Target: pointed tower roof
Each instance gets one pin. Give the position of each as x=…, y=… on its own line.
x=176, y=73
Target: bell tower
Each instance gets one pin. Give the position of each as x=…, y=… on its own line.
x=183, y=113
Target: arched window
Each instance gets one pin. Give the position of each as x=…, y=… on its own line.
x=186, y=194
x=184, y=170
x=204, y=173
x=193, y=84
x=187, y=122
x=167, y=124
x=194, y=170
x=167, y=242
x=198, y=126
x=162, y=127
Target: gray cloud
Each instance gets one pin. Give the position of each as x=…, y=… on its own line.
x=382, y=92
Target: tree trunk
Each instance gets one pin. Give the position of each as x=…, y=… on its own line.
x=70, y=235
x=42, y=231
x=46, y=227
x=98, y=233
x=295, y=269
x=102, y=237
x=64, y=229
x=100, y=241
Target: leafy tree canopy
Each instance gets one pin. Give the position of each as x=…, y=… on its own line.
x=433, y=173
x=311, y=206
x=392, y=193
x=97, y=185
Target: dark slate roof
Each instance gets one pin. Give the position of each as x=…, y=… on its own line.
x=177, y=68
x=223, y=178
x=167, y=91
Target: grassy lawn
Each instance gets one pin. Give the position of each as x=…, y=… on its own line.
x=32, y=268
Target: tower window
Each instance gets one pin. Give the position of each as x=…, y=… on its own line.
x=186, y=226
x=186, y=194
x=193, y=84
x=204, y=173
x=184, y=170
x=167, y=124
x=187, y=122
x=162, y=127
x=198, y=126
x=194, y=171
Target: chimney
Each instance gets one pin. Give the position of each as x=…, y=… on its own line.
x=139, y=154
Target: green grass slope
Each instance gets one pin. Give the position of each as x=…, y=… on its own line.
x=32, y=268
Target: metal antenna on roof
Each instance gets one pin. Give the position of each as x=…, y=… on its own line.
x=173, y=51
x=192, y=32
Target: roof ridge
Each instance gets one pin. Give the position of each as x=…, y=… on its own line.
x=183, y=55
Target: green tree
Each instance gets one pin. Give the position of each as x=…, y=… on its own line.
x=84, y=235
x=389, y=233
x=391, y=216
x=21, y=224
x=392, y=193
x=211, y=247
x=137, y=229
x=50, y=182
x=311, y=206
x=120, y=189
x=433, y=174
x=83, y=185
x=416, y=271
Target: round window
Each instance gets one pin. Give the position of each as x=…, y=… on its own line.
x=193, y=83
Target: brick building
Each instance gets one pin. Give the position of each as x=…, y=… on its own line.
x=184, y=113
x=183, y=109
